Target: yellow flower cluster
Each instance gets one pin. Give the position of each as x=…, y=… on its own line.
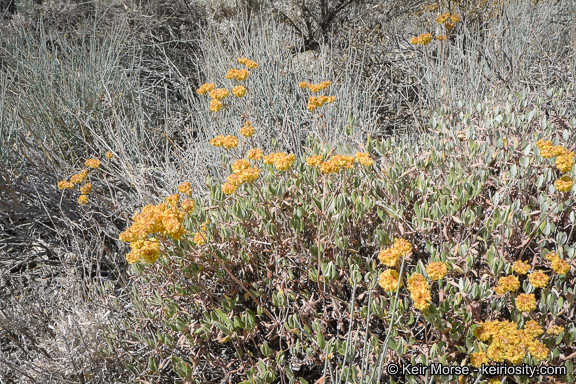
x=240, y=165
x=165, y=219
x=281, y=161
x=520, y=267
x=423, y=39
x=205, y=88
x=185, y=188
x=93, y=163
x=146, y=250
x=109, y=155
x=391, y=256
x=538, y=279
x=443, y=18
x=83, y=199
x=508, y=343
x=227, y=142
x=555, y=329
x=526, y=302
x=215, y=105
x=200, y=238
x=315, y=87
x=316, y=102
x=441, y=37
x=219, y=93
x=436, y=270
x=388, y=280
x=478, y=358
x=238, y=74
x=86, y=189
x=187, y=205
x=507, y=284
x=79, y=177
x=533, y=328
x=255, y=154
x=559, y=266
x=336, y=163
x=419, y=291
x=247, y=130
x=364, y=159
x=233, y=181
x=314, y=161
x=564, y=184
x=239, y=91
x=564, y=162
x=65, y=185
x=247, y=62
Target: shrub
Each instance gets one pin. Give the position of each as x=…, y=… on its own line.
x=329, y=265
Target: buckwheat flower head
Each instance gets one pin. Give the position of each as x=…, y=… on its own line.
x=231, y=74
x=255, y=154
x=247, y=130
x=92, y=163
x=219, y=93
x=230, y=142
x=215, y=105
x=547, y=150
x=239, y=91
x=507, y=284
x=109, y=155
x=217, y=141
x=449, y=26
x=425, y=38
x=441, y=37
x=436, y=270
x=415, y=40
x=478, y=358
x=303, y=84
x=187, y=205
x=314, y=161
x=561, y=267
x=65, y=185
x=343, y=161
x=419, y=291
x=403, y=246
x=240, y=165
x=555, y=329
x=538, y=279
x=242, y=74
x=328, y=167
x=86, y=189
x=173, y=199
x=185, y=188
x=443, y=18
x=564, y=184
x=389, y=257
x=520, y=267
x=526, y=302
x=205, y=88
x=364, y=159
x=455, y=18
x=388, y=280
x=79, y=177
x=200, y=238
x=229, y=188
x=559, y=150
x=83, y=199
x=538, y=350
x=533, y=328
x=565, y=162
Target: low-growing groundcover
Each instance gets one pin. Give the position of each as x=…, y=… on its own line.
x=456, y=248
